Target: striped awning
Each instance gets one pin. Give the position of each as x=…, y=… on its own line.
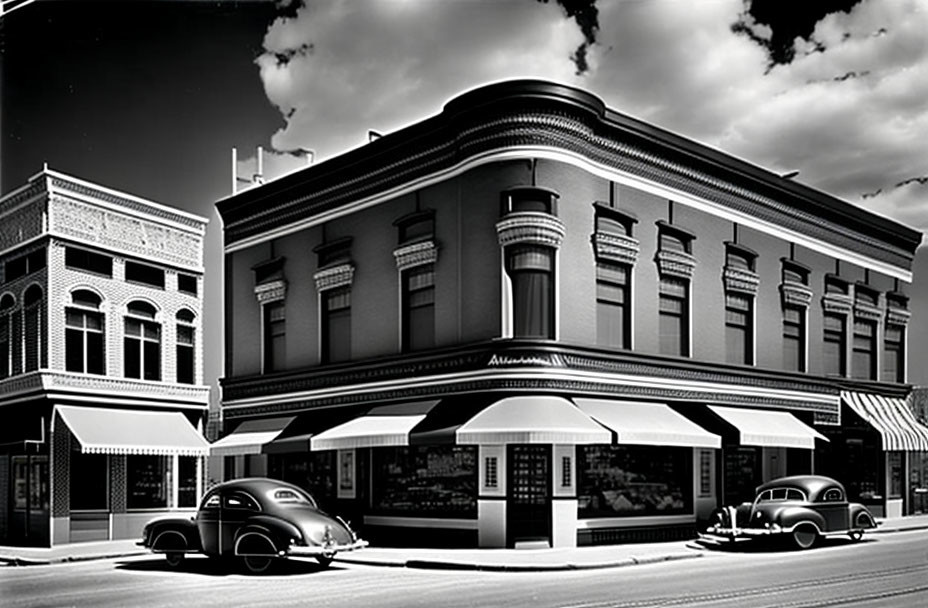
x=250, y=437
x=638, y=423
x=892, y=418
x=101, y=430
x=765, y=428
x=383, y=426
x=532, y=419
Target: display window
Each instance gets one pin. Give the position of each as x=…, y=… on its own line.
x=312, y=471
x=617, y=481
x=429, y=481
x=148, y=485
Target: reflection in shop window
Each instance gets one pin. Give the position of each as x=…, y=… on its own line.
x=147, y=482
x=634, y=480
x=431, y=481
x=705, y=472
x=312, y=471
x=895, y=474
x=89, y=487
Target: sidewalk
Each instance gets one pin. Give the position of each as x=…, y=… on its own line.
x=501, y=560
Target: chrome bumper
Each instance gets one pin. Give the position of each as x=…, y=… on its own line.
x=316, y=550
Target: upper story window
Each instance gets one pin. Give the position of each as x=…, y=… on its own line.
x=739, y=328
x=187, y=283
x=418, y=304
x=334, y=252
x=528, y=199
x=88, y=261
x=33, y=328
x=867, y=296
x=145, y=274
x=186, y=347
x=613, y=305
x=835, y=344
x=836, y=285
x=336, y=325
x=863, y=357
x=275, y=336
x=673, y=316
x=142, y=342
x=7, y=304
x=415, y=227
x=894, y=353
x=84, y=340
x=531, y=272
x=24, y=265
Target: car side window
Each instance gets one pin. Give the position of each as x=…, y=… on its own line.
x=211, y=502
x=794, y=494
x=239, y=500
x=833, y=495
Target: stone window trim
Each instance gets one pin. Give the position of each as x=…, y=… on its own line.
x=796, y=268
x=736, y=279
x=838, y=303
x=271, y=291
x=415, y=254
x=616, y=248
x=530, y=228
x=675, y=264
x=897, y=312
x=675, y=230
x=796, y=294
x=334, y=277
x=865, y=310
x=411, y=219
x=334, y=253
x=626, y=218
x=742, y=251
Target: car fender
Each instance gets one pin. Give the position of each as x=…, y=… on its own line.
x=265, y=535
x=173, y=535
x=789, y=518
x=860, y=517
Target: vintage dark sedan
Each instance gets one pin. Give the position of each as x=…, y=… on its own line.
x=802, y=508
x=256, y=521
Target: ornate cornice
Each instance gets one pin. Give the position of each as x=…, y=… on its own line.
x=542, y=115
x=530, y=228
x=417, y=254
x=98, y=388
x=898, y=316
x=867, y=312
x=675, y=263
x=796, y=294
x=616, y=248
x=336, y=276
x=271, y=291
x=837, y=303
x=740, y=280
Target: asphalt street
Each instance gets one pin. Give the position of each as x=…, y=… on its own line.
x=885, y=570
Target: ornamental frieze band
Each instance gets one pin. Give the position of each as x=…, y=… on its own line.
x=796, y=294
x=337, y=276
x=675, y=263
x=740, y=280
x=616, y=248
x=416, y=254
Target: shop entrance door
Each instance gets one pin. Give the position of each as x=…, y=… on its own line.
x=528, y=508
x=30, y=500
x=918, y=484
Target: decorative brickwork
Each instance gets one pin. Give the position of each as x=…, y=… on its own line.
x=117, y=483
x=61, y=470
x=675, y=263
x=331, y=278
x=530, y=228
x=616, y=248
x=417, y=254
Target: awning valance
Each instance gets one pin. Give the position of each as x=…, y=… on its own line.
x=383, y=426
x=892, y=418
x=532, y=419
x=250, y=437
x=136, y=432
x=637, y=423
x=768, y=429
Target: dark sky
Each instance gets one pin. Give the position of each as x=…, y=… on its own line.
x=146, y=97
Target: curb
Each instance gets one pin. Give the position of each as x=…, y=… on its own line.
x=427, y=564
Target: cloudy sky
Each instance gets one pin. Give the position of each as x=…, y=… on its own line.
x=150, y=97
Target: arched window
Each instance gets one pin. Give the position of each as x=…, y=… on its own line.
x=84, y=334
x=186, y=350
x=142, y=342
x=7, y=303
x=33, y=327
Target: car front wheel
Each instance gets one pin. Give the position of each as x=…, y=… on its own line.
x=856, y=535
x=257, y=564
x=325, y=560
x=805, y=536
x=174, y=558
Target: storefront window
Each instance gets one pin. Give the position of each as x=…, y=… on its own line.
x=634, y=480
x=895, y=474
x=89, y=487
x=430, y=481
x=147, y=482
x=312, y=471
x=187, y=481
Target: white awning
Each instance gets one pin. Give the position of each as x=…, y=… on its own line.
x=637, y=423
x=892, y=418
x=532, y=419
x=383, y=426
x=101, y=430
x=249, y=437
x=769, y=429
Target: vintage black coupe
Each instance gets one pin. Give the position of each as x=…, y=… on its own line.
x=256, y=521
x=801, y=508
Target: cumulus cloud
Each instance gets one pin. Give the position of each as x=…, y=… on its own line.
x=847, y=110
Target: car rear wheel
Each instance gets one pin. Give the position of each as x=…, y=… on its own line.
x=174, y=558
x=805, y=536
x=257, y=564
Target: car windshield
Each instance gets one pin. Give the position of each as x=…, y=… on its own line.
x=291, y=496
